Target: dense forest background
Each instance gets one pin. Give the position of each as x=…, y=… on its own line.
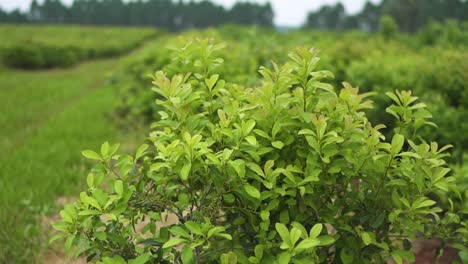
x=172, y=15
x=410, y=15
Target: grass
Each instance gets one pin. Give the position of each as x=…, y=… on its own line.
x=47, y=118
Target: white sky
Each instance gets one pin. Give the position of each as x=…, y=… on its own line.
x=287, y=12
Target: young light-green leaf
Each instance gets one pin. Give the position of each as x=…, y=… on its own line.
x=397, y=143
x=308, y=243
x=252, y=191
x=316, y=230
x=91, y=155
x=185, y=171
x=173, y=242
x=118, y=187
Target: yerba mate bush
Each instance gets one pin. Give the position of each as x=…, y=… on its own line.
x=287, y=172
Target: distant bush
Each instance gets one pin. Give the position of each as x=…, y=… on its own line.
x=23, y=56
x=33, y=47
x=59, y=56
x=33, y=57
x=388, y=27
x=450, y=33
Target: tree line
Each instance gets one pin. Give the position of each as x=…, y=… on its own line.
x=167, y=14
x=410, y=15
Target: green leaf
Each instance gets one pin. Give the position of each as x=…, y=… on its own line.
x=425, y=203
x=255, y=168
x=227, y=154
x=105, y=149
x=211, y=81
x=249, y=125
x=259, y=251
x=288, y=174
x=174, y=242
x=141, y=151
x=215, y=230
x=262, y=133
x=229, y=198
x=366, y=238
x=187, y=255
x=399, y=255
x=283, y=232
x=379, y=220
x=159, y=165
x=440, y=173
x=393, y=97
x=70, y=242
x=345, y=257
x=118, y=187
x=179, y=231
x=323, y=74
x=91, y=155
x=113, y=149
x=252, y=140
x=463, y=254
x=252, y=191
x=316, y=230
x=101, y=236
x=239, y=166
x=90, y=180
x=295, y=235
x=265, y=215
x=397, y=182
x=229, y=258
x=397, y=143
x=326, y=240
x=56, y=237
x=141, y=259
x=194, y=228
x=410, y=154
x=89, y=200
x=185, y=171
x=324, y=86
x=308, y=243
x=224, y=235
x=284, y=258
x=277, y=144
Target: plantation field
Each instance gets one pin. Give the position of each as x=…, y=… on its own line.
x=43, y=46
x=262, y=137
x=47, y=118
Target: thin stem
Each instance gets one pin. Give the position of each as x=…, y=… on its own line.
x=197, y=253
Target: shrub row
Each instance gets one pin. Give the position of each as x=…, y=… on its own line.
x=44, y=48
x=32, y=57
x=36, y=56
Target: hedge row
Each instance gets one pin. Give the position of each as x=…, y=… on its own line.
x=59, y=46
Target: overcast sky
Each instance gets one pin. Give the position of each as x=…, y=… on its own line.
x=287, y=12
